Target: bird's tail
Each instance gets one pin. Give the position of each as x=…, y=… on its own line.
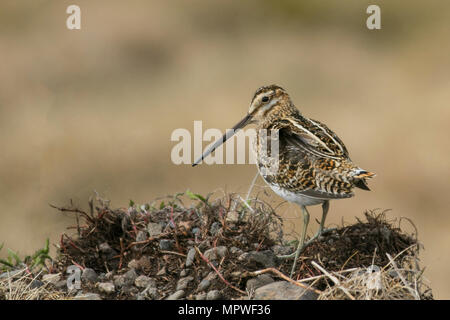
x=360, y=178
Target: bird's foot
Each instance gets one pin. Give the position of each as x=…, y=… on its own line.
x=319, y=234
x=307, y=243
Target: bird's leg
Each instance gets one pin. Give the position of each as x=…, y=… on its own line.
x=301, y=244
x=325, y=208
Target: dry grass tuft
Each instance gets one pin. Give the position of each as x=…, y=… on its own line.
x=17, y=285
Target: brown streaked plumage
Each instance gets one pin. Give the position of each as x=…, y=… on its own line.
x=301, y=159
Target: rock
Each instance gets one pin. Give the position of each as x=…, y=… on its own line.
x=106, y=287
x=213, y=295
x=215, y=228
x=87, y=296
x=141, y=236
x=36, y=284
x=52, y=278
x=259, y=281
x=176, y=295
x=140, y=297
x=131, y=290
x=12, y=274
x=282, y=250
x=61, y=285
x=183, y=283
x=283, y=290
x=264, y=259
x=203, y=285
x=232, y=217
x=126, y=279
x=154, y=229
x=211, y=276
x=216, y=253
x=141, y=264
x=184, y=272
x=89, y=275
x=143, y=282
x=235, y=250
x=200, y=296
x=151, y=293
x=105, y=248
x=130, y=275
x=133, y=264
x=166, y=245
x=190, y=257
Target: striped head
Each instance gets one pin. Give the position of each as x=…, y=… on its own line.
x=268, y=100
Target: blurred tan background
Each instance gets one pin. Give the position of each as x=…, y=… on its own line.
x=94, y=109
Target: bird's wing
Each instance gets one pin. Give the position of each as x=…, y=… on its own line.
x=312, y=137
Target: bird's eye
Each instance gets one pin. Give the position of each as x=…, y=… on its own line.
x=265, y=99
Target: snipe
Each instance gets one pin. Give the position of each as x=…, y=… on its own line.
x=303, y=162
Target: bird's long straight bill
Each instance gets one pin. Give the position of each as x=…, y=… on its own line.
x=224, y=138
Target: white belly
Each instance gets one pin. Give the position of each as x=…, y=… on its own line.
x=296, y=197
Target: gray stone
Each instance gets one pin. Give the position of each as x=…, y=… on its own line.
x=141, y=236
x=190, y=257
x=283, y=290
x=183, y=283
x=143, y=282
x=151, y=293
x=200, y=296
x=105, y=248
x=282, y=250
x=106, y=287
x=211, y=276
x=89, y=275
x=184, y=272
x=235, y=250
x=213, y=295
x=216, y=253
x=232, y=217
x=166, y=245
x=87, y=296
x=126, y=279
x=203, y=285
x=154, y=229
x=12, y=274
x=215, y=228
x=264, y=259
x=52, y=278
x=133, y=264
x=130, y=275
x=259, y=281
x=36, y=284
x=140, y=297
x=176, y=295
x=61, y=285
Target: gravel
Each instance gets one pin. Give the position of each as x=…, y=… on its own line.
x=89, y=275
x=190, y=257
x=106, y=287
x=213, y=295
x=283, y=290
x=204, y=284
x=183, y=283
x=176, y=295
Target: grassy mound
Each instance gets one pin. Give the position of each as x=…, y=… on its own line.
x=181, y=241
